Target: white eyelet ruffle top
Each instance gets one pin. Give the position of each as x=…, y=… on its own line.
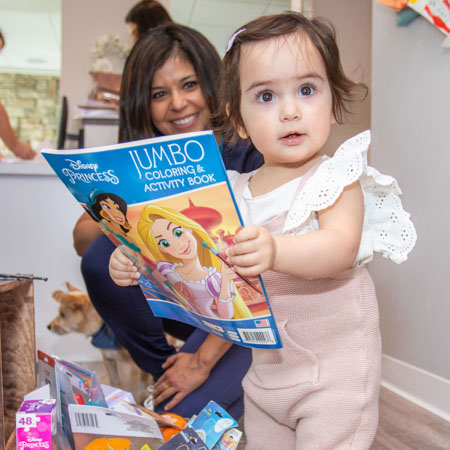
x=387, y=228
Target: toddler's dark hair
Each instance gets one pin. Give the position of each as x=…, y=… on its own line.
x=323, y=37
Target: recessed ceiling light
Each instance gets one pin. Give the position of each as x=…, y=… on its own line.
x=36, y=61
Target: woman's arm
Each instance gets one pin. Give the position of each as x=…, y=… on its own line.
x=19, y=148
x=185, y=372
x=323, y=253
x=86, y=230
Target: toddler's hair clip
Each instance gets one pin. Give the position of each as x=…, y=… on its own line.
x=232, y=38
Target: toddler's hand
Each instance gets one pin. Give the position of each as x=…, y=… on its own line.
x=122, y=270
x=254, y=251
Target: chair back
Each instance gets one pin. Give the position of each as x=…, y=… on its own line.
x=62, y=132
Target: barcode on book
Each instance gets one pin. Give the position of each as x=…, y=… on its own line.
x=261, y=336
x=87, y=420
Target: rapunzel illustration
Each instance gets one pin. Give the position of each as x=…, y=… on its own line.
x=176, y=242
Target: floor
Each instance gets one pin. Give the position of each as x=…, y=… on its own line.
x=402, y=425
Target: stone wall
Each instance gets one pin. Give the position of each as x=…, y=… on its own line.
x=32, y=103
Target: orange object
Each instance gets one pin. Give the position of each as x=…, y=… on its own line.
x=168, y=432
x=398, y=5
x=108, y=444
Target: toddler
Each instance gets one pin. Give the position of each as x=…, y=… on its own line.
x=312, y=223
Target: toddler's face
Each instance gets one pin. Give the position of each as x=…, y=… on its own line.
x=286, y=102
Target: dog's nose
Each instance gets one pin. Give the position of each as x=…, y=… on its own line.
x=49, y=327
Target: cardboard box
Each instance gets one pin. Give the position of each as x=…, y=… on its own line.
x=96, y=428
x=36, y=424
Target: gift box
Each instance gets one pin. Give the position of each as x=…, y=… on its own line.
x=36, y=424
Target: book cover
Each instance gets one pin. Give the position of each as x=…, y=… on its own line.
x=166, y=202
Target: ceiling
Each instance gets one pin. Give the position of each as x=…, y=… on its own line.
x=32, y=31
x=218, y=19
x=32, y=28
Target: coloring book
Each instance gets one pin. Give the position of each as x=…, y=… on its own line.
x=166, y=202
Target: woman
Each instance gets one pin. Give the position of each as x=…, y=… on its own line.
x=144, y=16
x=169, y=86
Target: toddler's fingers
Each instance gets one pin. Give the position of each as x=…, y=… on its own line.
x=240, y=249
x=246, y=233
x=249, y=271
x=244, y=260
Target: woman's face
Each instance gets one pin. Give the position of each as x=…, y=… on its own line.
x=177, y=101
x=174, y=240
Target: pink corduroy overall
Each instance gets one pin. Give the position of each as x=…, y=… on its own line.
x=320, y=391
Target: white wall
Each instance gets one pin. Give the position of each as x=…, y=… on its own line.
x=84, y=21
x=38, y=214
x=411, y=141
x=352, y=21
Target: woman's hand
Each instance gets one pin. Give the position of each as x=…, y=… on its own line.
x=184, y=373
x=23, y=151
x=254, y=251
x=122, y=270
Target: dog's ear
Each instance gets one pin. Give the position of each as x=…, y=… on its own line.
x=72, y=300
x=71, y=287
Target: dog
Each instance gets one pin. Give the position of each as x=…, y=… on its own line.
x=77, y=314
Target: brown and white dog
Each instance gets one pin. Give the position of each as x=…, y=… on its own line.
x=77, y=314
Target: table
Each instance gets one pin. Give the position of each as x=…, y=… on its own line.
x=100, y=125
x=18, y=352
x=99, y=132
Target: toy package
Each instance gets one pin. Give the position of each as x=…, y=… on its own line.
x=36, y=424
x=45, y=372
x=119, y=400
x=229, y=440
x=211, y=423
x=187, y=439
x=96, y=428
